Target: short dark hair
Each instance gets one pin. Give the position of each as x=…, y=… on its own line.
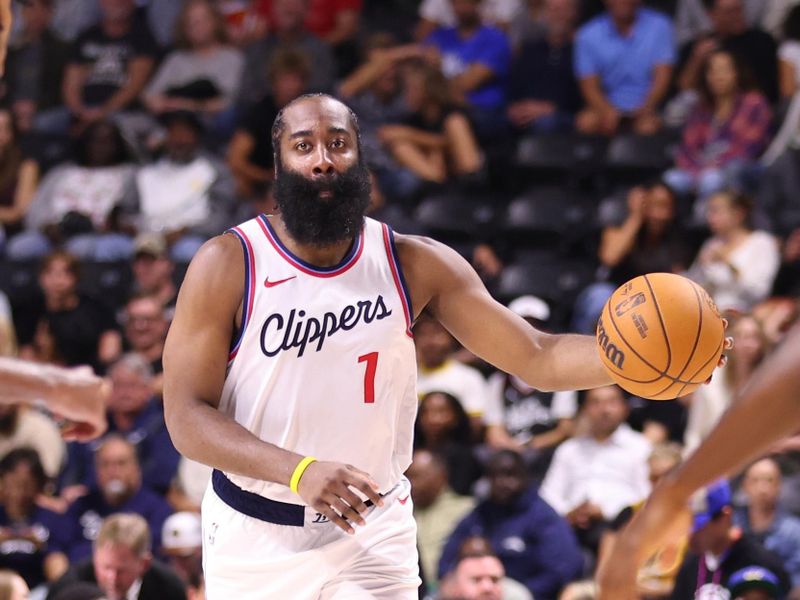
x=28, y=456
x=791, y=25
x=279, y=125
x=462, y=430
x=740, y=201
x=465, y=551
x=73, y=265
x=517, y=461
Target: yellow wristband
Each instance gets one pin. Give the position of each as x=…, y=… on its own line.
x=298, y=472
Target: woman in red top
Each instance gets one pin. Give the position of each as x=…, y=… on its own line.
x=727, y=132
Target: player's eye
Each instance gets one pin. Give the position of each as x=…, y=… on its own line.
x=338, y=144
x=302, y=146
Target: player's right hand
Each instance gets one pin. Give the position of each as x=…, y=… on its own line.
x=330, y=488
x=80, y=398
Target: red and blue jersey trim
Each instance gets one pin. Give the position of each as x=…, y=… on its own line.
x=397, y=275
x=249, y=289
x=350, y=259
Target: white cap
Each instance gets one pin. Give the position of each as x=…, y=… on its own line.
x=182, y=532
x=530, y=307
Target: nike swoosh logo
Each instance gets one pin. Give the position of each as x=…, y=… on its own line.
x=403, y=500
x=269, y=284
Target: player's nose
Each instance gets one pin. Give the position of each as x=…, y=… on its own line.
x=323, y=164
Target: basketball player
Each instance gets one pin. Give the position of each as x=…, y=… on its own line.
x=290, y=369
x=6, y=21
x=76, y=395
x=767, y=411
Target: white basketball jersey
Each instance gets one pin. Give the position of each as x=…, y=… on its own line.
x=324, y=362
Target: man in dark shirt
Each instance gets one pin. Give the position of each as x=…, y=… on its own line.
x=522, y=418
x=719, y=549
x=136, y=415
x=36, y=68
x=122, y=564
x=543, y=92
x=119, y=489
x=535, y=544
x=250, y=151
x=110, y=64
x=61, y=324
x=753, y=46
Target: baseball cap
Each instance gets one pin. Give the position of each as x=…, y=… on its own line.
x=152, y=244
x=753, y=578
x=181, y=533
x=530, y=307
x=709, y=504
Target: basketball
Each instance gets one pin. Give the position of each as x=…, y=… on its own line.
x=660, y=336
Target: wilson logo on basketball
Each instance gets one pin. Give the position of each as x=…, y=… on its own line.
x=630, y=303
x=614, y=355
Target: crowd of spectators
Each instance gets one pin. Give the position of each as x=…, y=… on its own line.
x=562, y=146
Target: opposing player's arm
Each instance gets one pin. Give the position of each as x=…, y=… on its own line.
x=75, y=394
x=450, y=288
x=195, y=362
x=767, y=411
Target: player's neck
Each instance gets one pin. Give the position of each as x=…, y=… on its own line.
x=319, y=256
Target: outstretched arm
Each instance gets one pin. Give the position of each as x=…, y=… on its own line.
x=77, y=394
x=450, y=288
x=767, y=410
x=195, y=361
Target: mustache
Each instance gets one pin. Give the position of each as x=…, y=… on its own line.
x=312, y=219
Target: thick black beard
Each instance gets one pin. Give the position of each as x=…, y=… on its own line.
x=317, y=221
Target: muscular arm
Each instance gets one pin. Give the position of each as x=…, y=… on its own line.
x=6, y=21
x=662, y=75
x=75, y=394
x=767, y=411
x=593, y=94
x=138, y=71
x=475, y=76
x=195, y=359
x=617, y=242
x=450, y=288
x=72, y=87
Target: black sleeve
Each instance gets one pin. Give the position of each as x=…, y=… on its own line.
x=76, y=49
x=143, y=42
x=773, y=562
x=161, y=582
x=518, y=77
x=622, y=518
x=686, y=580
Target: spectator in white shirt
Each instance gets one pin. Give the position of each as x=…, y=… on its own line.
x=738, y=264
x=188, y=194
x=595, y=475
x=438, y=371
x=524, y=419
x=439, y=13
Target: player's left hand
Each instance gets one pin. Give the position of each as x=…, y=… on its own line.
x=330, y=488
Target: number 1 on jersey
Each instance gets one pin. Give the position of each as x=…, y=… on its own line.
x=369, y=375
